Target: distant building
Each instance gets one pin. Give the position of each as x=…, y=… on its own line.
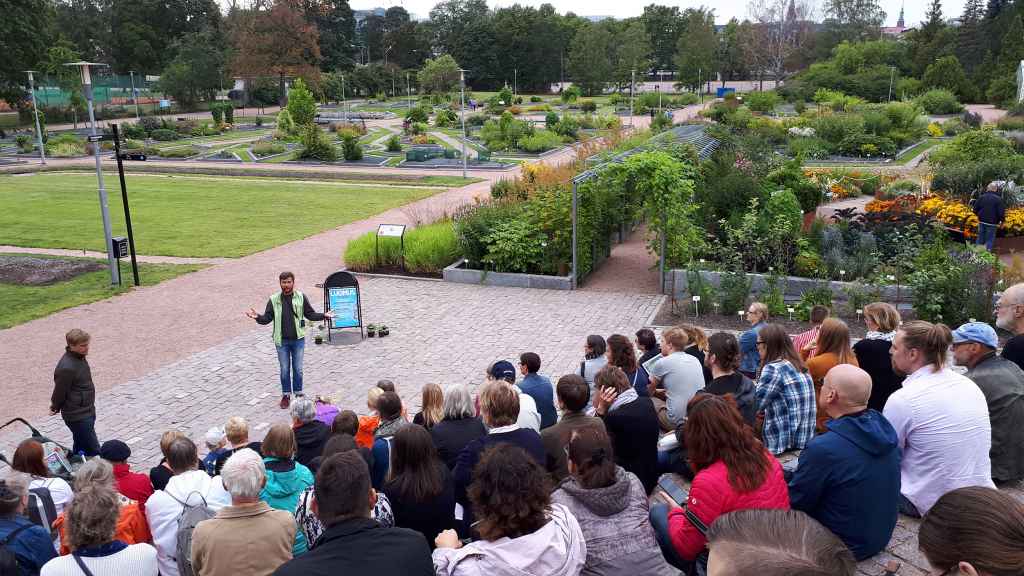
x=899, y=29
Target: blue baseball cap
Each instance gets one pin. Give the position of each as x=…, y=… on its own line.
x=976, y=332
x=504, y=370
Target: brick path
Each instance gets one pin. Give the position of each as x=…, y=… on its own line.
x=630, y=268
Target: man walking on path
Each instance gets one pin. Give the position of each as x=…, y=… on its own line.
x=991, y=212
x=288, y=310
x=74, y=394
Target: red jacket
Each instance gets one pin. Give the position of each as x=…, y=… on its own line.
x=711, y=495
x=133, y=485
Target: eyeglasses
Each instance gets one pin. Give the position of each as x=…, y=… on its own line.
x=998, y=306
x=760, y=342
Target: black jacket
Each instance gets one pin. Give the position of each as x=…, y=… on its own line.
x=873, y=357
x=990, y=208
x=742, y=389
x=256, y=447
x=361, y=546
x=634, y=431
x=429, y=518
x=451, y=436
x=310, y=439
x=74, y=394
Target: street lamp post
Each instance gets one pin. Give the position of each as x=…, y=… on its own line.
x=344, y=103
x=408, y=91
x=135, y=95
x=462, y=113
x=35, y=109
x=104, y=208
x=632, y=82
x=892, y=75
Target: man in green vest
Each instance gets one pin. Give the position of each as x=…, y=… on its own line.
x=288, y=310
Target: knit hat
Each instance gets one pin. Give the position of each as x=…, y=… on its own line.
x=115, y=451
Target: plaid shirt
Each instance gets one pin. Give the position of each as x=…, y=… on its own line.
x=786, y=396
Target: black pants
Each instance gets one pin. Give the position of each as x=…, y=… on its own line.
x=83, y=432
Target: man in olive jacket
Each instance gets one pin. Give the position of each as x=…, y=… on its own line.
x=1002, y=383
x=74, y=395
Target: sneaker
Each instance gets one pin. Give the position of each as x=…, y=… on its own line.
x=286, y=401
x=300, y=395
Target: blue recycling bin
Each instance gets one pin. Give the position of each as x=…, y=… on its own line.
x=721, y=92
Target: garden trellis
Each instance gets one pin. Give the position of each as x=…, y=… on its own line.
x=693, y=134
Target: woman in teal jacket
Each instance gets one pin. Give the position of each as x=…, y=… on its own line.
x=286, y=478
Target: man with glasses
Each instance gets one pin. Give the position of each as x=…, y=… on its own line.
x=1010, y=317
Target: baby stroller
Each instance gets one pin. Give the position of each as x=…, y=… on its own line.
x=59, y=459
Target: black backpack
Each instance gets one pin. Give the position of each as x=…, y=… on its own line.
x=41, y=509
x=8, y=560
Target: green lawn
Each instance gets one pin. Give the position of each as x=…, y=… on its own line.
x=30, y=302
x=203, y=216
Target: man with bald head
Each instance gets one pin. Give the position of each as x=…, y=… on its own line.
x=849, y=477
x=1010, y=317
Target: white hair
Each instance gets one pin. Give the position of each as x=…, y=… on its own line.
x=458, y=403
x=303, y=410
x=93, y=472
x=243, y=474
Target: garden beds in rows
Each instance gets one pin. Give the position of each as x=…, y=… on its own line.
x=794, y=286
x=459, y=273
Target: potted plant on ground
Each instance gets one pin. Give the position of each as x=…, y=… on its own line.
x=371, y=330
x=382, y=330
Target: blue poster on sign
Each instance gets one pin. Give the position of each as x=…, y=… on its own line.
x=344, y=302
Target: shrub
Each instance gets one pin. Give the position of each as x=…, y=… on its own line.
x=301, y=104
x=267, y=148
x=867, y=145
x=418, y=114
x=1011, y=123
x=570, y=94
x=445, y=117
x=939, y=101
x=536, y=99
x=218, y=113
x=316, y=146
x=229, y=112
x=394, y=144
x=351, y=148
x=567, y=126
x=24, y=143
x=815, y=148
x=163, y=135
x=734, y=290
x=685, y=99
x=476, y=119
x=960, y=180
x=361, y=252
x=661, y=122
x=588, y=106
x=799, y=106
x=514, y=246
x=820, y=295
x=540, y=141
x=285, y=122
x=762, y=101
x=834, y=128
x=973, y=146
x=130, y=144
x=149, y=123
x=133, y=130
x=429, y=248
x=952, y=285
x=550, y=120
x=954, y=126
x=418, y=128
x=791, y=177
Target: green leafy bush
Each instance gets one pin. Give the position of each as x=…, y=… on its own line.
x=734, y=291
x=536, y=99
x=867, y=145
x=351, y=148
x=685, y=99
x=186, y=152
x=834, y=128
x=65, y=146
x=1010, y=123
x=820, y=295
x=791, y=177
x=133, y=130
x=568, y=126
x=301, y=104
x=939, y=101
x=515, y=246
x=24, y=143
x=953, y=284
x=446, y=117
x=394, y=144
x=316, y=145
x=960, y=180
x=661, y=122
x=762, y=101
x=972, y=146
x=163, y=135
x=285, y=123
x=550, y=120
x=808, y=148
x=588, y=106
x=540, y=141
x=418, y=114
x=267, y=148
x=133, y=145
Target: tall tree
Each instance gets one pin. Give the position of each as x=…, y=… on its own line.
x=971, y=41
x=336, y=25
x=276, y=42
x=86, y=25
x=590, y=58
x=731, y=61
x=664, y=24
x=632, y=51
x=26, y=29
x=68, y=79
x=784, y=27
x=932, y=20
x=143, y=31
x=465, y=30
x=697, y=48
x=198, y=69
x=849, y=21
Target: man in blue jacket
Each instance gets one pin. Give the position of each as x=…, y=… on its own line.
x=849, y=477
x=991, y=211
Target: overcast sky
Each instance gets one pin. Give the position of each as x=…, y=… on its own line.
x=915, y=9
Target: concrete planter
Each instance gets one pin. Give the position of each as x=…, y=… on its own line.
x=795, y=286
x=458, y=272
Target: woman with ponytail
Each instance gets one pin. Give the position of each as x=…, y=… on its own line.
x=611, y=506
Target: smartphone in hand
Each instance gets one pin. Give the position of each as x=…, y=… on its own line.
x=676, y=492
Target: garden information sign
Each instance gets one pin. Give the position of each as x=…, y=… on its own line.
x=341, y=296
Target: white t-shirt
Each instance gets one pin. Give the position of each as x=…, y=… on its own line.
x=682, y=376
x=941, y=420
x=529, y=416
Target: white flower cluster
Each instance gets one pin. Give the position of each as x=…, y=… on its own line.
x=798, y=131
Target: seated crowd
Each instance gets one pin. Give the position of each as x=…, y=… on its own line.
x=531, y=477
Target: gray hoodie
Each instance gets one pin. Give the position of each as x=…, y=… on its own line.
x=556, y=549
x=614, y=520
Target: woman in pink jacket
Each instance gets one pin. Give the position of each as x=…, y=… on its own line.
x=733, y=472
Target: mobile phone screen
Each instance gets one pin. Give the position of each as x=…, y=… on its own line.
x=676, y=492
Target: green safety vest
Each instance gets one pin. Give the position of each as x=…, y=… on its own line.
x=297, y=304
